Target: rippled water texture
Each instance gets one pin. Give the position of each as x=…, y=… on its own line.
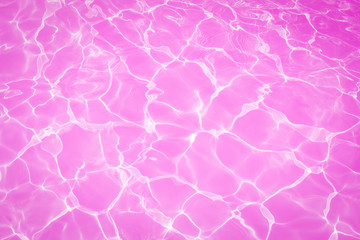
x=196, y=119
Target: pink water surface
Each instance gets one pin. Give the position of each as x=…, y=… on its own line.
x=171, y=119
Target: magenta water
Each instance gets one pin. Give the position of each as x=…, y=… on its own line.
x=171, y=119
